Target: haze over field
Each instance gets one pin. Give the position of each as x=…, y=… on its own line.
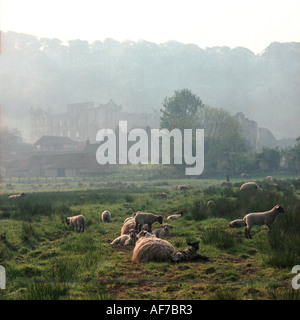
x=241, y=56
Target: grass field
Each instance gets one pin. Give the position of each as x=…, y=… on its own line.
x=44, y=259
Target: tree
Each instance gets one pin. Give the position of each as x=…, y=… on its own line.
x=268, y=159
x=181, y=111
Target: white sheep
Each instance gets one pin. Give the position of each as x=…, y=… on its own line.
x=162, y=231
x=188, y=254
x=174, y=216
x=20, y=195
x=249, y=186
x=257, y=218
x=142, y=218
x=126, y=239
x=152, y=249
x=106, y=216
x=76, y=221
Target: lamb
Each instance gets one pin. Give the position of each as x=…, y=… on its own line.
x=142, y=218
x=162, y=231
x=174, y=216
x=106, y=216
x=76, y=221
x=188, y=254
x=249, y=186
x=257, y=218
x=20, y=195
x=152, y=249
x=125, y=239
x=130, y=224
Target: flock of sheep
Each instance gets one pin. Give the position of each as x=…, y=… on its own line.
x=148, y=243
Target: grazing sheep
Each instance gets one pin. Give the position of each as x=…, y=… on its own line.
x=249, y=186
x=76, y=221
x=126, y=239
x=162, y=231
x=257, y=218
x=106, y=216
x=174, y=216
x=20, y=195
x=188, y=254
x=152, y=249
x=142, y=218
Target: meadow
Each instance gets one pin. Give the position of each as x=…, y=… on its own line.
x=44, y=259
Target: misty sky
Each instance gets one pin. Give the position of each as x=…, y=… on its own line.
x=253, y=24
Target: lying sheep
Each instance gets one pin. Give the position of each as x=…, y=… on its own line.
x=126, y=239
x=188, y=254
x=145, y=234
x=152, y=249
x=249, y=186
x=20, y=195
x=129, y=218
x=76, y=221
x=130, y=224
x=174, y=216
x=142, y=218
x=182, y=187
x=106, y=216
x=257, y=218
x=162, y=231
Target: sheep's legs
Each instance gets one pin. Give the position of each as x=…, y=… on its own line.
x=247, y=233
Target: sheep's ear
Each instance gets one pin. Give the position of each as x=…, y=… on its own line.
x=190, y=244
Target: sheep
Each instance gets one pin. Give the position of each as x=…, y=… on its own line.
x=129, y=218
x=145, y=234
x=130, y=224
x=257, y=218
x=162, y=231
x=20, y=195
x=188, y=254
x=237, y=223
x=152, y=249
x=142, y=218
x=174, y=216
x=249, y=186
x=163, y=195
x=106, y=216
x=125, y=239
x=77, y=221
x=182, y=187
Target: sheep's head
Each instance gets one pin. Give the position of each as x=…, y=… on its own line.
x=160, y=219
x=132, y=233
x=194, y=245
x=68, y=220
x=279, y=208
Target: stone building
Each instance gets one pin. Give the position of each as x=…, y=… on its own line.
x=84, y=120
